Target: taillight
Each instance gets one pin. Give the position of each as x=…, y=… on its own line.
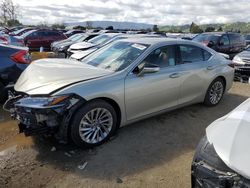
x=3, y=40
x=22, y=57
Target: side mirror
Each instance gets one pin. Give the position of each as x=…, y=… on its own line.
x=148, y=69
x=210, y=44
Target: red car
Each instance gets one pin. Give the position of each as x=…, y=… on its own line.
x=35, y=39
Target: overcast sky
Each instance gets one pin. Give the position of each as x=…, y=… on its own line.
x=160, y=12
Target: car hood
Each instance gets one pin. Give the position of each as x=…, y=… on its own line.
x=230, y=138
x=47, y=75
x=58, y=43
x=65, y=43
x=244, y=55
x=82, y=45
x=81, y=54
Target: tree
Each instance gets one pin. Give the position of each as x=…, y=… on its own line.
x=110, y=28
x=58, y=26
x=79, y=27
x=194, y=28
x=155, y=28
x=9, y=12
x=209, y=29
x=89, y=25
x=220, y=29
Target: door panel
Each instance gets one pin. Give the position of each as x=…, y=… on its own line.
x=151, y=92
x=193, y=83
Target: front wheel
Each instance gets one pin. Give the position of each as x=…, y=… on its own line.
x=215, y=92
x=93, y=124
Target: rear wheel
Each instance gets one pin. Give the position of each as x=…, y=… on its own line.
x=93, y=124
x=215, y=92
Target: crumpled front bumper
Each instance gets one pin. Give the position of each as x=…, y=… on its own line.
x=209, y=171
x=35, y=119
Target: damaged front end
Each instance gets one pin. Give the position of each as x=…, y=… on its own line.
x=209, y=171
x=42, y=114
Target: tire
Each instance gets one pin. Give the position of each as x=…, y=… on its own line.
x=214, y=94
x=91, y=124
x=3, y=93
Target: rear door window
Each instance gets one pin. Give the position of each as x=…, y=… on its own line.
x=192, y=54
x=234, y=38
x=224, y=41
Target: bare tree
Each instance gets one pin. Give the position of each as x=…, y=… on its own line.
x=8, y=11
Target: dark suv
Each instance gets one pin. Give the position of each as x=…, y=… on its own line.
x=35, y=39
x=223, y=42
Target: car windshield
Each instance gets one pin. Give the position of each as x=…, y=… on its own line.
x=205, y=38
x=248, y=49
x=99, y=39
x=27, y=33
x=116, y=56
x=76, y=37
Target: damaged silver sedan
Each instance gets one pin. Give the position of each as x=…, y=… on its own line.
x=121, y=83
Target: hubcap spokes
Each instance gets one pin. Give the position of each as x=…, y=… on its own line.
x=216, y=92
x=96, y=125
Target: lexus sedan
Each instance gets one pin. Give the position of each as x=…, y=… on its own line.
x=222, y=156
x=120, y=83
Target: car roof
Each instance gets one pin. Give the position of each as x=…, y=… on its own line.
x=150, y=40
x=219, y=33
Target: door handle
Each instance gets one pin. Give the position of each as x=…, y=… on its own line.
x=210, y=68
x=175, y=75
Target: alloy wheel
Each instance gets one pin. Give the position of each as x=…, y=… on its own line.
x=96, y=125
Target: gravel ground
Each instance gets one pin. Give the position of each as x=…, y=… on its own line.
x=156, y=152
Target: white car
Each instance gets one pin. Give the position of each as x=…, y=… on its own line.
x=222, y=156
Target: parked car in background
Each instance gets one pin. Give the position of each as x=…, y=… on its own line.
x=247, y=37
x=79, y=55
x=73, y=32
x=222, y=156
x=13, y=61
x=62, y=47
x=223, y=42
x=20, y=31
x=35, y=39
x=120, y=83
x=242, y=64
x=95, y=42
x=12, y=40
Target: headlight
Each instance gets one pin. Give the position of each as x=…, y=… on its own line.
x=238, y=60
x=41, y=102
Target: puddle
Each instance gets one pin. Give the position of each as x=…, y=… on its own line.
x=9, y=135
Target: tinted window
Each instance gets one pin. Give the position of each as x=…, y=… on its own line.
x=247, y=37
x=234, y=38
x=52, y=33
x=163, y=57
x=224, y=40
x=191, y=54
x=206, y=38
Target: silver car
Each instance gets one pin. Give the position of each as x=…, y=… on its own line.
x=121, y=83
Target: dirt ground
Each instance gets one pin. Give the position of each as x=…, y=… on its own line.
x=156, y=152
